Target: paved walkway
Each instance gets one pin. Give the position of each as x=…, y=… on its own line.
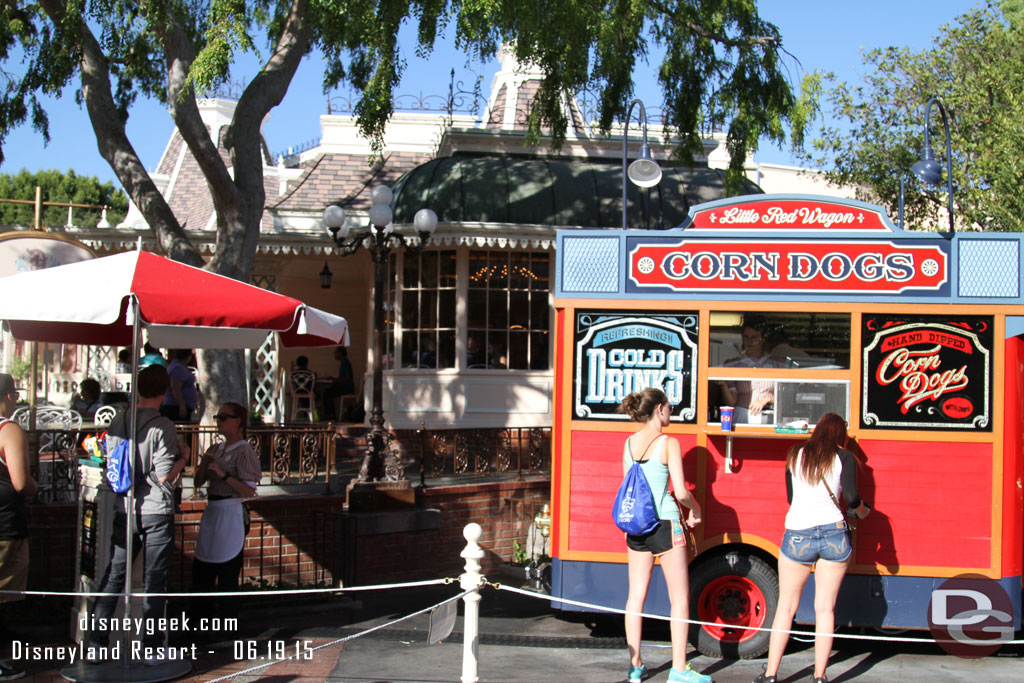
x=522, y=639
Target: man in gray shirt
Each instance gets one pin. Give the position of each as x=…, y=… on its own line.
x=159, y=461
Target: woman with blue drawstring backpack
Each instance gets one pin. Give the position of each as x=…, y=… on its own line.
x=662, y=462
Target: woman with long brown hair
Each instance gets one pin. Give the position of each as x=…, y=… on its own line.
x=662, y=461
x=817, y=536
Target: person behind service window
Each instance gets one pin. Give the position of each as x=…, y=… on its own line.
x=750, y=397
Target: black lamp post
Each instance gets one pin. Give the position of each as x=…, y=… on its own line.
x=643, y=172
x=382, y=470
x=928, y=169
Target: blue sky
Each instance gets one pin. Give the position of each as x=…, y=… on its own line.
x=825, y=35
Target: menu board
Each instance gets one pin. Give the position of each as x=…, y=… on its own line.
x=617, y=354
x=927, y=372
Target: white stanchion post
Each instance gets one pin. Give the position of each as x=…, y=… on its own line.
x=470, y=581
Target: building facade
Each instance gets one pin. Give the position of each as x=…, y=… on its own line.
x=470, y=318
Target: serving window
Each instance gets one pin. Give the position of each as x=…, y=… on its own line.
x=789, y=401
x=756, y=346
x=780, y=340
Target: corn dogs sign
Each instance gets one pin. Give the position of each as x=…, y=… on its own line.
x=810, y=260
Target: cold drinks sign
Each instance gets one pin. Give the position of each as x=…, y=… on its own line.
x=619, y=354
x=712, y=260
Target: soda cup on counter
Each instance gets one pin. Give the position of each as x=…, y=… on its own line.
x=726, y=412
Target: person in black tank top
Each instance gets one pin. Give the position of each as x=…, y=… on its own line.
x=16, y=485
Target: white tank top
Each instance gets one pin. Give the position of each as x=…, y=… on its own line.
x=812, y=505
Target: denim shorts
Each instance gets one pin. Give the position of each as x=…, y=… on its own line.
x=825, y=542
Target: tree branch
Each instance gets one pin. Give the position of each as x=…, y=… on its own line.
x=243, y=138
x=116, y=148
x=269, y=87
x=179, y=53
x=720, y=38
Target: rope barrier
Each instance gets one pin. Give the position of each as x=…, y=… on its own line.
x=471, y=582
x=228, y=594
x=309, y=651
x=615, y=610
x=495, y=585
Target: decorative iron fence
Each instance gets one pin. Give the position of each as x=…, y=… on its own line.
x=477, y=452
x=288, y=454
x=459, y=100
x=54, y=457
x=316, y=455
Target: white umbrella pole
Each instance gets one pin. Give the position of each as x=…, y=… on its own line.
x=33, y=380
x=132, y=448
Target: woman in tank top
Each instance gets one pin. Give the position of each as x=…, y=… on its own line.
x=662, y=462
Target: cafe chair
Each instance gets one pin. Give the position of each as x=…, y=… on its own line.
x=104, y=415
x=49, y=417
x=303, y=398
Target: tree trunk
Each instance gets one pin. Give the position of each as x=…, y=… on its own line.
x=223, y=378
x=238, y=194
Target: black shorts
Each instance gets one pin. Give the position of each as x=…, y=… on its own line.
x=668, y=535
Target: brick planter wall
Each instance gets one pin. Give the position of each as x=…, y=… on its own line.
x=310, y=539
x=429, y=547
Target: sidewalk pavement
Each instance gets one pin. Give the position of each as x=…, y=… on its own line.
x=522, y=639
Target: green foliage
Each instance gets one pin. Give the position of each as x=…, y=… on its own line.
x=519, y=554
x=722, y=63
x=1013, y=10
x=975, y=66
x=20, y=367
x=60, y=187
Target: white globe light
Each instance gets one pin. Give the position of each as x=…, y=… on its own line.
x=334, y=216
x=345, y=229
x=381, y=194
x=389, y=228
x=380, y=214
x=425, y=220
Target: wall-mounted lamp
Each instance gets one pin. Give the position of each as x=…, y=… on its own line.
x=928, y=169
x=325, y=277
x=643, y=172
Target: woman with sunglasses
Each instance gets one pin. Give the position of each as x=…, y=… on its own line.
x=233, y=471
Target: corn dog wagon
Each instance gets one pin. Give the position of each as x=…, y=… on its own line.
x=785, y=308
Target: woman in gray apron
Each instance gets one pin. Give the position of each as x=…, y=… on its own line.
x=233, y=471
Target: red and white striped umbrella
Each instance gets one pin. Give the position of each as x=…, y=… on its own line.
x=180, y=306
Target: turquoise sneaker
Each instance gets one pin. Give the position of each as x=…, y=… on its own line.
x=637, y=673
x=687, y=676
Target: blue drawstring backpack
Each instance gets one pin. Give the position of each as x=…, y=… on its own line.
x=119, y=472
x=634, y=511
x=119, y=469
